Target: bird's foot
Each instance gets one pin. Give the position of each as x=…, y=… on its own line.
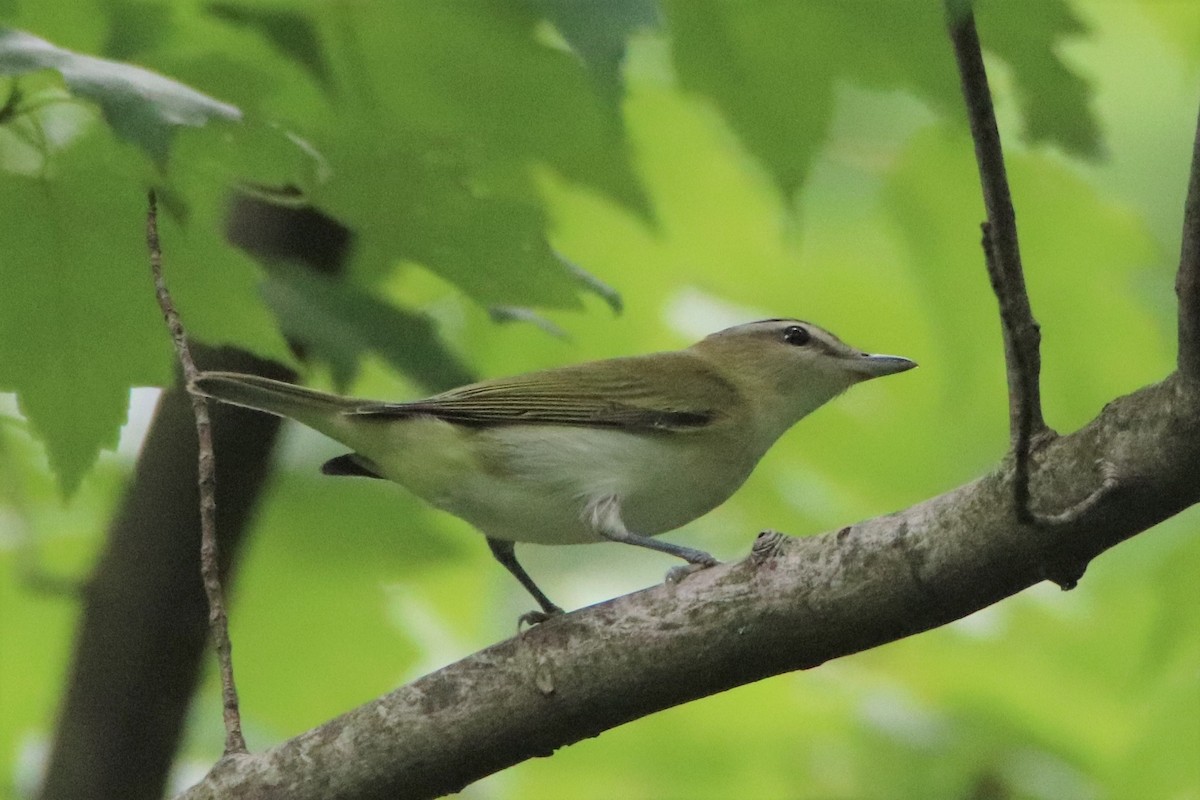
x=677, y=574
x=532, y=618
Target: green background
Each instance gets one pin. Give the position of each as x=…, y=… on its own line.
x=742, y=160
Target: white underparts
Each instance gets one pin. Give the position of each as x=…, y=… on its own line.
x=604, y=515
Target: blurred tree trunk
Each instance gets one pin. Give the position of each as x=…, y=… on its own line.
x=144, y=627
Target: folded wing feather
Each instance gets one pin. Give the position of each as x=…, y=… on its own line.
x=619, y=393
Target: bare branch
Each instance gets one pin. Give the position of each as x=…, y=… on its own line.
x=209, y=568
x=792, y=604
x=1187, y=283
x=1020, y=414
x=1022, y=447
x=1002, y=253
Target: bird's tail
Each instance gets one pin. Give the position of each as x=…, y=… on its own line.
x=308, y=406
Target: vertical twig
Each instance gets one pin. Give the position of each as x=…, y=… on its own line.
x=209, y=571
x=1187, y=281
x=1022, y=337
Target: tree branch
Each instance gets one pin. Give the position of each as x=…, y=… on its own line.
x=1002, y=253
x=1187, y=283
x=210, y=573
x=793, y=604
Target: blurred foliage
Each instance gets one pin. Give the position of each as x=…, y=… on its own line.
x=712, y=162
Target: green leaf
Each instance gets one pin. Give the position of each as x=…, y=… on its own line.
x=37, y=118
x=439, y=113
x=774, y=69
x=215, y=285
x=340, y=323
x=503, y=315
x=292, y=33
x=78, y=322
x=476, y=77
x=1054, y=101
x=134, y=27
x=78, y=318
x=593, y=284
x=598, y=31
x=419, y=204
x=143, y=107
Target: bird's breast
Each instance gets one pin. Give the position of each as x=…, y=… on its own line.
x=536, y=480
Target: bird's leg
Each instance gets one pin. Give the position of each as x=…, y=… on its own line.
x=605, y=517
x=505, y=553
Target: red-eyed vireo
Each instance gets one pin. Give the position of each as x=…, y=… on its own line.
x=618, y=450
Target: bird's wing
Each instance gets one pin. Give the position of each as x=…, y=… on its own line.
x=618, y=393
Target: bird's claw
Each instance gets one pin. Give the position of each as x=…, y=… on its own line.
x=677, y=574
x=532, y=618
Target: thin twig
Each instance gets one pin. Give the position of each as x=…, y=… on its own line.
x=1022, y=337
x=1020, y=419
x=1187, y=282
x=1002, y=253
x=209, y=571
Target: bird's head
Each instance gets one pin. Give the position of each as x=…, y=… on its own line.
x=792, y=365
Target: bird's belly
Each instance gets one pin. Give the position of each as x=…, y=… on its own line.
x=536, y=482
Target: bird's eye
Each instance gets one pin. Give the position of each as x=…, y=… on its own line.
x=794, y=334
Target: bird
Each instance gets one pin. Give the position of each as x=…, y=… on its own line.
x=620, y=449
